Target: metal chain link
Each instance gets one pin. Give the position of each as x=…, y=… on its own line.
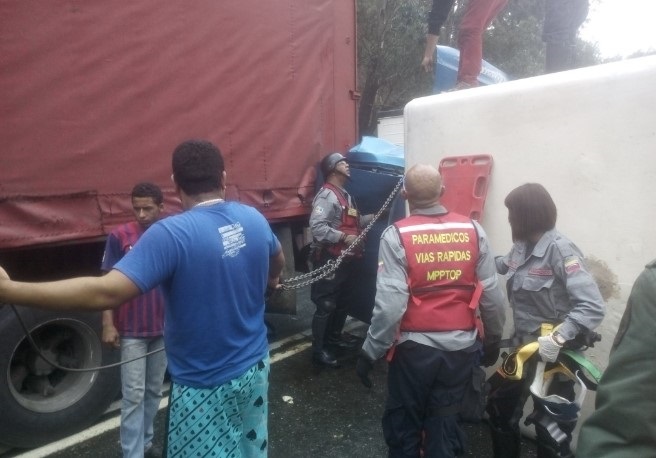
x=331, y=266
x=291, y=283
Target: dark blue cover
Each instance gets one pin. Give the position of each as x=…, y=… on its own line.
x=376, y=167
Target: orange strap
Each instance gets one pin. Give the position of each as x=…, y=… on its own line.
x=390, y=353
x=473, y=304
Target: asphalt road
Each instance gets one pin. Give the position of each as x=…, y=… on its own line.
x=319, y=413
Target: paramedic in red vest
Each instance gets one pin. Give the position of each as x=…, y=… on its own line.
x=335, y=224
x=431, y=267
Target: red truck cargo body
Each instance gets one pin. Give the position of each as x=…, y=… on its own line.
x=94, y=97
x=96, y=94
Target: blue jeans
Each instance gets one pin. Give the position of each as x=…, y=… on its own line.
x=141, y=386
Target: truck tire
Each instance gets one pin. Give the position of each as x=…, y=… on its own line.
x=40, y=403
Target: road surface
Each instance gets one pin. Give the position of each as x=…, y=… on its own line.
x=319, y=413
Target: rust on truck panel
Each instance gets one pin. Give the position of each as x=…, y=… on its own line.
x=95, y=98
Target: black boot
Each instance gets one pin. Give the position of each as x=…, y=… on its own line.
x=320, y=355
x=336, y=324
x=342, y=343
x=505, y=444
x=324, y=358
x=335, y=339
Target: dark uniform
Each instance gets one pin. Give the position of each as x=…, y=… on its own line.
x=624, y=422
x=429, y=266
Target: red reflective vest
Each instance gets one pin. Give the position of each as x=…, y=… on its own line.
x=441, y=251
x=350, y=224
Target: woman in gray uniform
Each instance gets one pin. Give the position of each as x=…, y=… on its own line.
x=555, y=301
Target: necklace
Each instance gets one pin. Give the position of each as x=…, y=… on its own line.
x=208, y=202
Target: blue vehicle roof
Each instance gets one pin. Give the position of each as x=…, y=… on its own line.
x=376, y=152
x=446, y=70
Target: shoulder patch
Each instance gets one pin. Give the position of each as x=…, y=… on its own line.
x=572, y=265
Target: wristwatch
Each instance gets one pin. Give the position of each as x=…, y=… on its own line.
x=560, y=340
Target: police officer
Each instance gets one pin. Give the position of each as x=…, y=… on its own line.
x=335, y=224
x=555, y=301
x=434, y=270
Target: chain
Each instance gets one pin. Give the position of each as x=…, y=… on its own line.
x=331, y=266
x=292, y=283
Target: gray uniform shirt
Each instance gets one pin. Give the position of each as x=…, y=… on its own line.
x=392, y=295
x=326, y=216
x=551, y=284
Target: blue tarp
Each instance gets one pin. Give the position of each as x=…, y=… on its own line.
x=446, y=70
x=376, y=151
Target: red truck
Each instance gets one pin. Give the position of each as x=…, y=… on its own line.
x=95, y=96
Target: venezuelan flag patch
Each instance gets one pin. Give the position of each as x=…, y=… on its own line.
x=572, y=265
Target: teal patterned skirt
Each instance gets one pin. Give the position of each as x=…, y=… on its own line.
x=228, y=421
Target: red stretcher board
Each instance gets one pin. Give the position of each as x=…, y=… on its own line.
x=466, y=179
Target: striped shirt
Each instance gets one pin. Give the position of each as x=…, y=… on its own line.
x=142, y=316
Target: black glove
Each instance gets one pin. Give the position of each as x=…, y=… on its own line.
x=490, y=354
x=362, y=368
x=583, y=339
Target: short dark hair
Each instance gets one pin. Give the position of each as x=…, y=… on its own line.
x=146, y=189
x=197, y=167
x=531, y=210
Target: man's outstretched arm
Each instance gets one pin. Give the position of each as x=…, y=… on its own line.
x=80, y=293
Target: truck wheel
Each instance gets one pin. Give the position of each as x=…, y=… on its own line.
x=40, y=403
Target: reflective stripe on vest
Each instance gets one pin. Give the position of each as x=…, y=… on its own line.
x=441, y=252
